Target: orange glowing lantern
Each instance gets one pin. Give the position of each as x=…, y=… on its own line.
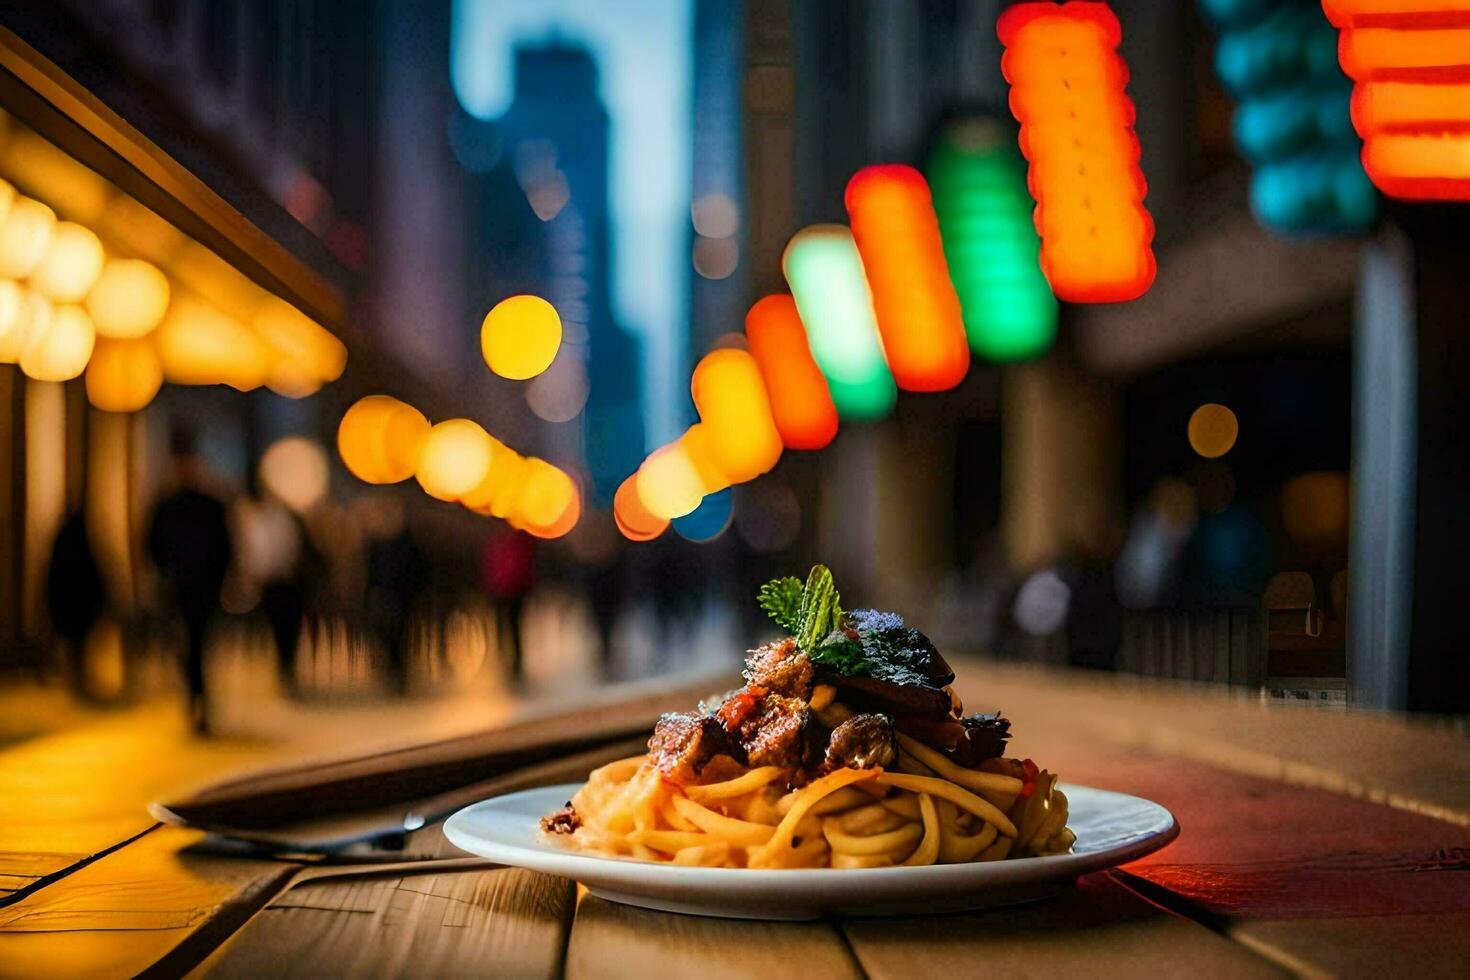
x=201, y=346
x=379, y=439
x=22, y=313
x=1410, y=64
x=129, y=299
x=918, y=312
x=800, y=402
x=123, y=375
x=736, y=411
x=1067, y=90
x=634, y=520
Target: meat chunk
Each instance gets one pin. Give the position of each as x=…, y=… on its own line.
x=781, y=668
x=775, y=737
x=563, y=821
x=683, y=743
x=862, y=742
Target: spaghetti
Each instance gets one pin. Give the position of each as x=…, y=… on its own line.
x=823, y=761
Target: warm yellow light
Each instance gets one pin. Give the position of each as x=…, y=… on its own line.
x=310, y=348
x=520, y=337
x=669, y=483
x=201, y=346
x=123, y=375
x=1213, y=430
x=60, y=351
x=16, y=316
x=730, y=395
x=504, y=466
x=24, y=237
x=547, y=494
x=7, y=198
x=454, y=458
x=1315, y=507
x=379, y=439
x=129, y=299
x=295, y=470
x=72, y=263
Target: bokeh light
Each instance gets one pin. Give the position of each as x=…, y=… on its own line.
x=768, y=515
x=1314, y=508
x=60, y=351
x=453, y=458
x=800, y=402
x=918, y=314
x=72, y=263
x=1411, y=101
x=549, y=502
x=825, y=273
x=709, y=520
x=669, y=484
x=715, y=258
x=129, y=299
x=123, y=375
x=199, y=345
x=309, y=349
x=25, y=235
x=295, y=470
x=520, y=337
x=990, y=243
x=735, y=410
x=379, y=439
x=1212, y=430
x=715, y=215
x=1067, y=90
x=16, y=316
x=560, y=392
x=632, y=518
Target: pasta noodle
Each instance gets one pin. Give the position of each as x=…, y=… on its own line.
x=941, y=813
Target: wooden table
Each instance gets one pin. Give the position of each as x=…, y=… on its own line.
x=1312, y=842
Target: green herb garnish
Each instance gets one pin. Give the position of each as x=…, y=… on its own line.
x=843, y=654
x=781, y=599
x=821, y=609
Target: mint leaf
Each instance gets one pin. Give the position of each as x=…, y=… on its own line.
x=781, y=599
x=821, y=609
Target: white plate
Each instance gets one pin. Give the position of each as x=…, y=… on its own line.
x=1111, y=829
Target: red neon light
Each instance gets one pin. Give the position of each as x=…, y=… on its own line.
x=1068, y=92
x=914, y=300
x=800, y=401
x=1410, y=60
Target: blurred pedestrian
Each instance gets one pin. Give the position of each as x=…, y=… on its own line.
x=189, y=542
x=75, y=596
x=508, y=569
x=395, y=579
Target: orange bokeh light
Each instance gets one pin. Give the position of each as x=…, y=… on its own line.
x=634, y=520
x=918, y=313
x=1067, y=90
x=731, y=398
x=1410, y=60
x=800, y=402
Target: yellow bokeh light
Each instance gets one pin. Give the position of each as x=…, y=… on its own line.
x=72, y=263
x=309, y=347
x=547, y=494
x=16, y=316
x=454, y=458
x=123, y=375
x=295, y=470
x=669, y=483
x=504, y=468
x=379, y=439
x=129, y=299
x=520, y=337
x=1213, y=430
x=201, y=346
x=24, y=237
x=60, y=351
x=735, y=409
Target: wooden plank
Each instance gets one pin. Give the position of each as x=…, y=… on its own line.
x=125, y=912
x=612, y=940
x=506, y=922
x=1098, y=929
